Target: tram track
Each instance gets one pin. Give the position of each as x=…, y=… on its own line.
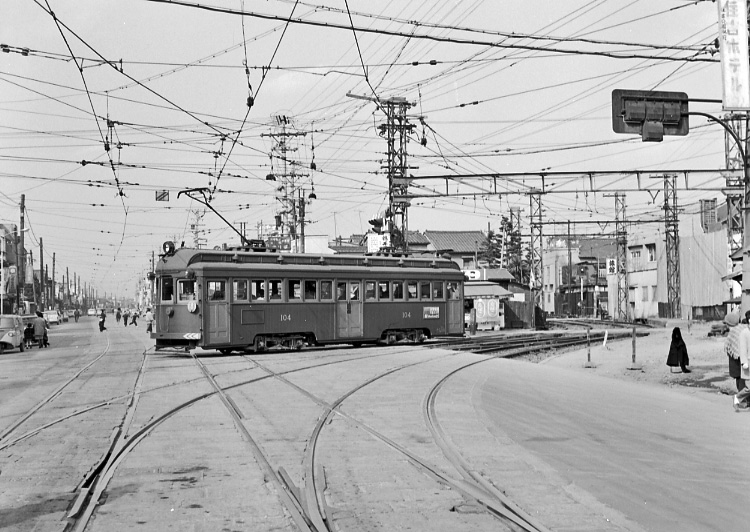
x=50, y=398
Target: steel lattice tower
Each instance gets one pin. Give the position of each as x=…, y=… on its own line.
x=622, y=258
x=395, y=130
x=734, y=193
x=536, y=280
x=673, y=247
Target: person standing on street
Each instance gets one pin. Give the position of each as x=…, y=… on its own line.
x=125, y=317
x=102, y=318
x=149, y=320
x=742, y=396
x=678, y=355
x=118, y=315
x=40, y=330
x=77, y=314
x=732, y=348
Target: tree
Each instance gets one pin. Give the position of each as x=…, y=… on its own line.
x=491, y=250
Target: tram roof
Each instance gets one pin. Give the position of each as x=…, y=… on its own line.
x=184, y=257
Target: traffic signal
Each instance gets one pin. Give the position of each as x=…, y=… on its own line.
x=652, y=114
x=377, y=225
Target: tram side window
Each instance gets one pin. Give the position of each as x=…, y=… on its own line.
x=369, y=290
x=326, y=290
x=186, y=290
x=411, y=289
x=274, y=289
x=454, y=290
x=353, y=291
x=383, y=294
x=167, y=288
x=398, y=290
x=295, y=289
x=340, y=291
x=437, y=289
x=311, y=290
x=239, y=290
x=217, y=290
x=258, y=291
x=424, y=289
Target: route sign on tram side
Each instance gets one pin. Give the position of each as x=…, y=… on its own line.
x=652, y=114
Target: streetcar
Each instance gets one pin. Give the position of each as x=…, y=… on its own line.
x=247, y=300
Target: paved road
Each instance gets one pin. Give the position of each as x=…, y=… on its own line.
x=662, y=458
x=579, y=451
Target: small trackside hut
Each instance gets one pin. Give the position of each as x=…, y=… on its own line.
x=240, y=299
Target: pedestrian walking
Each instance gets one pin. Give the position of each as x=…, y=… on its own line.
x=732, y=349
x=102, y=318
x=742, y=396
x=28, y=335
x=149, y=320
x=133, y=318
x=40, y=330
x=118, y=315
x=125, y=317
x=678, y=355
x=77, y=314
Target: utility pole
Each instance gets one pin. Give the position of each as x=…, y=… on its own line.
x=290, y=182
x=41, y=273
x=535, y=279
x=395, y=130
x=570, y=275
x=738, y=123
x=22, y=262
x=673, y=247
x=622, y=258
x=54, y=286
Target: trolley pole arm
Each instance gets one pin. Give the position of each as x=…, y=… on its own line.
x=203, y=201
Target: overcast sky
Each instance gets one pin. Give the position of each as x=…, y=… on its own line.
x=516, y=86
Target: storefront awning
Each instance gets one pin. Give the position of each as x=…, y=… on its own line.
x=485, y=289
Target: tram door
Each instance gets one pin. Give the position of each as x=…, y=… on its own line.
x=348, y=309
x=218, y=311
x=455, y=309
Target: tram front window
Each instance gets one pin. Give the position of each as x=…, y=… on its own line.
x=186, y=290
x=216, y=290
x=167, y=288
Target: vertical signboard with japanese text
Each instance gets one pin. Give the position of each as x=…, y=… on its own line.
x=735, y=65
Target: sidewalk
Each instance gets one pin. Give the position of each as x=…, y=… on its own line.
x=708, y=362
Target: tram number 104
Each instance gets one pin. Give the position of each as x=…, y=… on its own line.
x=286, y=317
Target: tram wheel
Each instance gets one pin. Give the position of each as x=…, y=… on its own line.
x=259, y=345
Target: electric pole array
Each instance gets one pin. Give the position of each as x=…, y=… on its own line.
x=622, y=258
x=535, y=281
x=290, y=192
x=197, y=229
x=673, y=247
x=734, y=191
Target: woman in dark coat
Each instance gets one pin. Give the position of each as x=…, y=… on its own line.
x=678, y=355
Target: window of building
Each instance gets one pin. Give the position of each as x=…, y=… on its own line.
x=239, y=290
x=644, y=293
x=708, y=214
x=651, y=252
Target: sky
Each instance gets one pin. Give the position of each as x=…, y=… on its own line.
x=105, y=106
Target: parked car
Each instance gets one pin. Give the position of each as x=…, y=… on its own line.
x=11, y=332
x=91, y=312
x=52, y=317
